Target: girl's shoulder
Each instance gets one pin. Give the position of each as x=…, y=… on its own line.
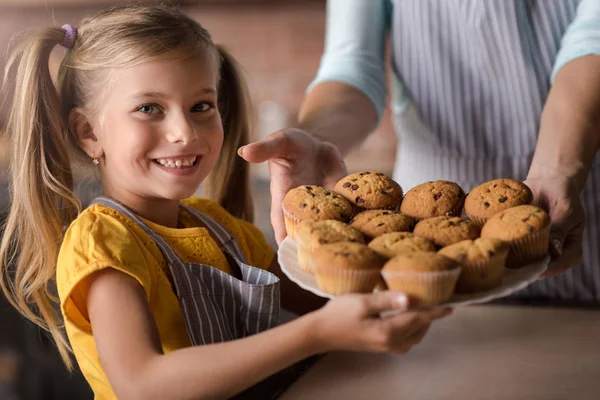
x=97, y=239
x=99, y=233
x=101, y=222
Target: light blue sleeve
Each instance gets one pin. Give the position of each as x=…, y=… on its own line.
x=582, y=37
x=355, y=47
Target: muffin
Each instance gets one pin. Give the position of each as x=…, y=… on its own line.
x=492, y=197
x=426, y=276
x=444, y=231
x=370, y=190
x=482, y=262
x=433, y=199
x=310, y=235
x=313, y=203
x=374, y=223
x=396, y=243
x=527, y=230
x=346, y=267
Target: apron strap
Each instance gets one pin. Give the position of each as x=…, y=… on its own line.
x=168, y=252
x=227, y=242
x=225, y=239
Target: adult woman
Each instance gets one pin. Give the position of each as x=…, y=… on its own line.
x=473, y=101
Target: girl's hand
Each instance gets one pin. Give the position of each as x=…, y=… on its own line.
x=560, y=197
x=295, y=158
x=353, y=322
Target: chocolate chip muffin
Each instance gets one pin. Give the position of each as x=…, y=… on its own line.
x=374, y=223
x=370, y=190
x=346, y=267
x=527, y=230
x=492, y=197
x=433, y=199
x=310, y=235
x=426, y=276
x=396, y=243
x=444, y=231
x=482, y=263
x=313, y=203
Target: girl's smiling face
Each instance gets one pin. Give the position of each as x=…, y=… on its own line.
x=160, y=132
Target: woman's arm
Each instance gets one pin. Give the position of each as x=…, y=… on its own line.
x=347, y=97
x=343, y=105
x=338, y=113
x=569, y=135
x=130, y=350
x=568, y=141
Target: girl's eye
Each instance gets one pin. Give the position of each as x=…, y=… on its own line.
x=147, y=109
x=203, y=107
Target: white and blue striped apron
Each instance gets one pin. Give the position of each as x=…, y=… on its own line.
x=217, y=306
x=478, y=74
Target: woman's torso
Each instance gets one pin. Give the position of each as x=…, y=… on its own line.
x=477, y=74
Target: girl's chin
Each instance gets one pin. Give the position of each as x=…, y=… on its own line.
x=177, y=194
x=178, y=189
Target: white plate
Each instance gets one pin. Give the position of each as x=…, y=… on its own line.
x=514, y=279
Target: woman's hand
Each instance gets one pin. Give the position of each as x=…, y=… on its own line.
x=560, y=196
x=568, y=140
x=295, y=158
x=352, y=322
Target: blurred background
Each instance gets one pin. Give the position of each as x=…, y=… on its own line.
x=279, y=45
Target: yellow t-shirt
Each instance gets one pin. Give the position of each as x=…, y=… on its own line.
x=101, y=237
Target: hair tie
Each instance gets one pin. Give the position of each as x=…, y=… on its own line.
x=70, y=36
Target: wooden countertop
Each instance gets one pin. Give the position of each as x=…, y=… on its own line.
x=478, y=353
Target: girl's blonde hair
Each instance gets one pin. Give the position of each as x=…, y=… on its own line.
x=43, y=148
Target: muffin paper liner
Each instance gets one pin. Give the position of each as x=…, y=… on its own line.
x=478, y=221
x=306, y=249
x=429, y=288
x=341, y=281
x=290, y=223
x=481, y=275
x=528, y=249
x=304, y=252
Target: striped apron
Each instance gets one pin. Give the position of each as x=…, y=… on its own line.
x=217, y=306
x=477, y=73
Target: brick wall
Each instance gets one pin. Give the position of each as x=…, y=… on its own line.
x=278, y=44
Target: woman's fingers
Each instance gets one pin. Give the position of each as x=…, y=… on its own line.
x=274, y=146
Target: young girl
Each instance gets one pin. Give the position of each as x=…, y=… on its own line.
x=161, y=297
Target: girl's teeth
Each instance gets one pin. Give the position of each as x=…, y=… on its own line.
x=188, y=162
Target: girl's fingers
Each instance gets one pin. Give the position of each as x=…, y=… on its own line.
x=376, y=303
x=416, y=337
x=437, y=313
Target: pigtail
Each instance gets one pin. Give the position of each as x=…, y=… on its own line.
x=43, y=202
x=228, y=183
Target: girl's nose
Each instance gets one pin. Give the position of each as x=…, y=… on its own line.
x=181, y=130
